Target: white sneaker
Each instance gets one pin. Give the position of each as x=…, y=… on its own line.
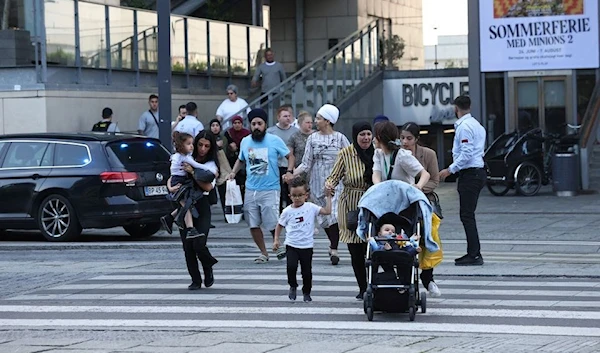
x=433, y=289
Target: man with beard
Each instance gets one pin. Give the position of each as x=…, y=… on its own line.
x=260, y=152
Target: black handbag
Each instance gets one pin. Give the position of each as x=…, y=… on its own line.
x=435, y=204
x=352, y=220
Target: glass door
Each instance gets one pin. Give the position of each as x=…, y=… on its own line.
x=528, y=105
x=542, y=102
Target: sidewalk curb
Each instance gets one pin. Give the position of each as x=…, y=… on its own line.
x=46, y=247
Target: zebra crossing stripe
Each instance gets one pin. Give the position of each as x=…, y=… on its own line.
x=304, y=310
x=320, y=325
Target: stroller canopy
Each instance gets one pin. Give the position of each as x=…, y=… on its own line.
x=395, y=196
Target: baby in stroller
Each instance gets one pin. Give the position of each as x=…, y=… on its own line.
x=387, y=239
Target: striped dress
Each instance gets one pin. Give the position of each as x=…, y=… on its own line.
x=349, y=169
x=320, y=154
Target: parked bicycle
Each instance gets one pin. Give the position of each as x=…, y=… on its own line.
x=524, y=162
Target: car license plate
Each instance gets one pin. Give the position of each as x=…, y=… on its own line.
x=155, y=190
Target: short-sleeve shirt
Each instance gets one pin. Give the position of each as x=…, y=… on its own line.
x=148, y=124
x=190, y=125
x=298, y=143
x=406, y=167
x=285, y=135
x=261, y=161
x=299, y=225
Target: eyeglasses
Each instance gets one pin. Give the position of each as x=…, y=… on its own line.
x=230, y=93
x=297, y=196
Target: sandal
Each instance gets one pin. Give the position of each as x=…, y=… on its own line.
x=261, y=259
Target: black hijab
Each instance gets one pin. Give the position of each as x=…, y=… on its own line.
x=366, y=156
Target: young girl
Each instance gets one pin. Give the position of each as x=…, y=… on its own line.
x=299, y=222
x=184, y=146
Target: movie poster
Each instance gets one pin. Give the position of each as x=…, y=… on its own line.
x=538, y=34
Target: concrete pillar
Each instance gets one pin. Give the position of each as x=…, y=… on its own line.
x=475, y=81
x=300, y=34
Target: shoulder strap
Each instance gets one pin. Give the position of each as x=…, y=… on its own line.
x=392, y=162
x=155, y=120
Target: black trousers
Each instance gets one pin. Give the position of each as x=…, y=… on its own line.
x=222, y=189
x=427, y=277
x=358, y=253
x=195, y=249
x=470, y=183
x=284, y=198
x=304, y=256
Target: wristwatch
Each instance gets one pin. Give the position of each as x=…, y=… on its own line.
x=290, y=171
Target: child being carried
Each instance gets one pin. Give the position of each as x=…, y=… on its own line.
x=184, y=146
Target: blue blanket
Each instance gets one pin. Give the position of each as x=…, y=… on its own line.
x=395, y=196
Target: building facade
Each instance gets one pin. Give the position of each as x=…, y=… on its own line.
x=450, y=52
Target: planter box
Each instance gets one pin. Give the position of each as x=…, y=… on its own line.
x=16, y=48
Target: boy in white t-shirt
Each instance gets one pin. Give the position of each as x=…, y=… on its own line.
x=299, y=222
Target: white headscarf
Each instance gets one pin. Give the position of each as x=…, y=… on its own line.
x=329, y=112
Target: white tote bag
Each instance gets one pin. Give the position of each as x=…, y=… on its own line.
x=233, y=202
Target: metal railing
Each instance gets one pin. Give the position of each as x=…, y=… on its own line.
x=587, y=135
x=89, y=35
x=331, y=76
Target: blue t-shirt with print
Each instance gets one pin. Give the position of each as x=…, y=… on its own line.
x=261, y=161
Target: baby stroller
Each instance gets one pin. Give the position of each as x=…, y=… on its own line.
x=395, y=290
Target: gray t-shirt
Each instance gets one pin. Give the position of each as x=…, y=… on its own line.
x=148, y=125
x=298, y=143
x=285, y=135
x=272, y=75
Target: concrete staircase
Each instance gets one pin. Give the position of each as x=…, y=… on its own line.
x=595, y=168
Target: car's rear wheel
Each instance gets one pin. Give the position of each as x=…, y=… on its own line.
x=57, y=220
x=143, y=230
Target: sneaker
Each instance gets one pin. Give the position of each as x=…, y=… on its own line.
x=462, y=258
x=360, y=295
x=470, y=261
x=167, y=223
x=195, y=286
x=280, y=253
x=292, y=293
x=192, y=233
x=433, y=289
x=333, y=256
x=307, y=298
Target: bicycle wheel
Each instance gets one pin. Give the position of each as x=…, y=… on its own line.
x=528, y=179
x=497, y=189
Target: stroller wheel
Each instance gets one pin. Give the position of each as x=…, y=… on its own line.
x=423, y=302
x=370, y=313
x=411, y=313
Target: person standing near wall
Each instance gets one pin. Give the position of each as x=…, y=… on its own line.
x=467, y=153
x=284, y=130
x=148, y=123
x=106, y=124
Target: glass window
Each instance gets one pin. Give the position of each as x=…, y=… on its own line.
x=197, y=45
x=528, y=107
x=257, y=46
x=24, y=154
x=494, y=102
x=239, y=49
x=148, y=40
x=555, y=109
x=67, y=155
x=60, y=32
x=92, y=34
x=131, y=153
x=121, y=38
x=178, y=44
x=218, y=47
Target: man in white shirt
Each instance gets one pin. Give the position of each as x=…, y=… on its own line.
x=467, y=153
x=190, y=123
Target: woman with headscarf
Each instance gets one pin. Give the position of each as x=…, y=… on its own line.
x=234, y=138
x=354, y=166
x=224, y=167
x=320, y=154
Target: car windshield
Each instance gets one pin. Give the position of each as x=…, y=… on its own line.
x=138, y=152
